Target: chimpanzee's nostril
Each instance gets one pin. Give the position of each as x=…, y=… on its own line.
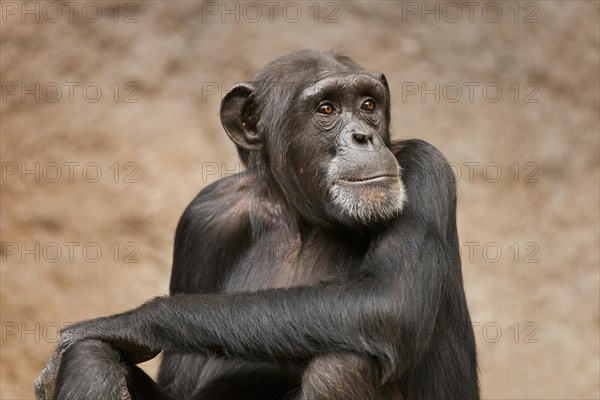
x=360, y=137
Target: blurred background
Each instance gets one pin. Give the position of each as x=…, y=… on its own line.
x=109, y=127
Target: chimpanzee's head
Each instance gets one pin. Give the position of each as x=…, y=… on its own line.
x=319, y=124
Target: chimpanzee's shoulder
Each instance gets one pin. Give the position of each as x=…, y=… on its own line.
x=418, y=150
x=222, y=201
x=237, y=202
x=422, y=161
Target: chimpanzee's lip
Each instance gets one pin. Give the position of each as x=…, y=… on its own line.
x=369, y=179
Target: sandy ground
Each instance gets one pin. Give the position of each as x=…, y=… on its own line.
x=93, y=185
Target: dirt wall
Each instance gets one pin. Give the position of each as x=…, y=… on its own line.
x=109, y=126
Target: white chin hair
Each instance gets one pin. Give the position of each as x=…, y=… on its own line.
x=368, y=204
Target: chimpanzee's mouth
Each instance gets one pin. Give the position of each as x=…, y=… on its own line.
x=368, y=179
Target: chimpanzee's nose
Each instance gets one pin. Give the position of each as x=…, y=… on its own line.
x=361, y=137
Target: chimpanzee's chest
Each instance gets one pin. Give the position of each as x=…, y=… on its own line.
x=278, y=260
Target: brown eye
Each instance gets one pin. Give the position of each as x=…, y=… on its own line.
x=368, y=105
x=326, y=108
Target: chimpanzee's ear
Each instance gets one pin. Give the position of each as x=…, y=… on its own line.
x=381, y=78
x=238, y=119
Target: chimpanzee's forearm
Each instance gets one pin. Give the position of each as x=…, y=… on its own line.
x=291, y=323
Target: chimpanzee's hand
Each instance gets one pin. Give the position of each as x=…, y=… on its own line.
x=108, y=329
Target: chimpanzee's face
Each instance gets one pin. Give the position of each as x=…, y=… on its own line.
x=338, y=152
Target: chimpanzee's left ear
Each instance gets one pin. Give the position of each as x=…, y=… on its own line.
x=238, y=119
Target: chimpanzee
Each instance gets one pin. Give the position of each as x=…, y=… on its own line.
x=328, y=270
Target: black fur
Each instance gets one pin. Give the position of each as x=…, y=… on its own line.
x=277, y=293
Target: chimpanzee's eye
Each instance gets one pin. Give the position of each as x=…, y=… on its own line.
x=326, y=108
x=368, y=105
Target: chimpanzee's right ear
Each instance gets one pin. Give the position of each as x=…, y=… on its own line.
x=239, y=119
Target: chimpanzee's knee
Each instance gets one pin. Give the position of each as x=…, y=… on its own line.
x=343, y=377
x=91, y=369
